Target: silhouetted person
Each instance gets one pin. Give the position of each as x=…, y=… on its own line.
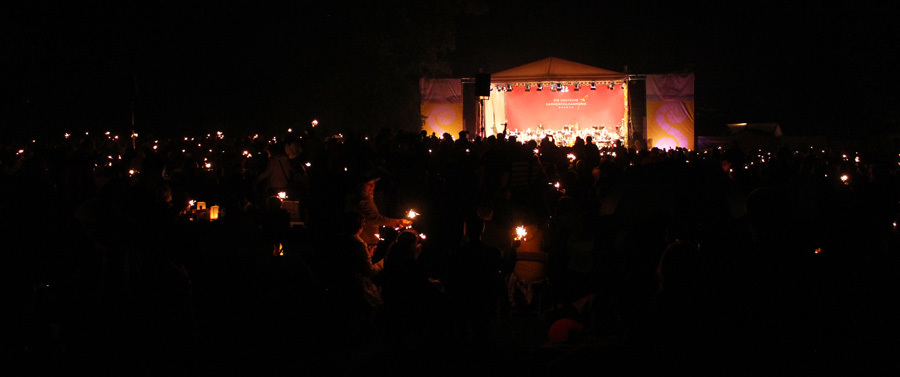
x=473, y=282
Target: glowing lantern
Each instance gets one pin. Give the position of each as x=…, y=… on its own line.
x=213, y=213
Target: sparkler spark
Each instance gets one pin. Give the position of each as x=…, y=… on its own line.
x=520, y=233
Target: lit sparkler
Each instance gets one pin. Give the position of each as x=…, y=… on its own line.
x=520, y=233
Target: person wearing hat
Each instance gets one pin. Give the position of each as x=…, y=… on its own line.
x=372, y=218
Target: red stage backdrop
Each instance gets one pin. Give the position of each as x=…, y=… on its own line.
x=553, y=110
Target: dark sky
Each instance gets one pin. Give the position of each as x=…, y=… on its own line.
x=814, y=70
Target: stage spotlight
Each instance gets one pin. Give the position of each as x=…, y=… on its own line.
x=593, y=86
x=540, y=87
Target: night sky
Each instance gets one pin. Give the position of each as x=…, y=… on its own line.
x=826, y=71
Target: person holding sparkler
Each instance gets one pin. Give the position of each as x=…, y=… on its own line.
x=372, y=218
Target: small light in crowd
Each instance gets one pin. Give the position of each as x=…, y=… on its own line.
x=191, y=202
x=846, y=179
x=67, y=135
x=20, y=151
x=290, y=130
x=154, y=147
x=536, y=151
x=557, y=185
x=378, y=236
x=571, y=156
x=856, y=159
x=315, y=123
x=422, y=235
x=106, y=133
x=345, y=168
x=208, y=165
x=131, y=172
x=412, y=214
x=467, y=150
x=282, y=195
x=308, y=164
x=818, y=250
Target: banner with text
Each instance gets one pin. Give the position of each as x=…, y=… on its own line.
x=585, y=108
x=670, y=111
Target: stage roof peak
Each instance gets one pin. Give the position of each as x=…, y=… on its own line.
x=555, y=69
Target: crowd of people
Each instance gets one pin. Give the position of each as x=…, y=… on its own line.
x=403, y=254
